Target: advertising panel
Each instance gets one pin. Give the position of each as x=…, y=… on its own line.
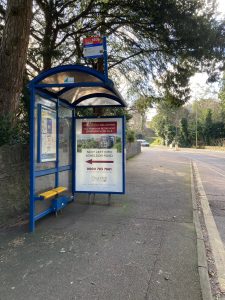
x=47, y=134
x=100, y=155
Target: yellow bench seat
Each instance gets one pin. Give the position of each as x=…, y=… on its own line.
x=52, y=193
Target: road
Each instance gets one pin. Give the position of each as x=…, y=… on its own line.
x=211, y=166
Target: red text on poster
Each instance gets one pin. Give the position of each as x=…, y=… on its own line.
x=99, y=127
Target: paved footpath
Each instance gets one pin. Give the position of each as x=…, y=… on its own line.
x=143, y=246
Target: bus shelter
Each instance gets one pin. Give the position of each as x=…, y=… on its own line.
x=54, y=166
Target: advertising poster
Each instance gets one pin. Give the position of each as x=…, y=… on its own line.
x=47, y=127
x=99, y=155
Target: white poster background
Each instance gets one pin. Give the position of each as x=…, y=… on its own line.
x=99, y=169
x=93, y=51
x=48, y=135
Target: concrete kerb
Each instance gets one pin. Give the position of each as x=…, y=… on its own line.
x=214, y=238
x=202, y=260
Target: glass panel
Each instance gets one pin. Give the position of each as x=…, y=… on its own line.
x=54, y=89
x=44, y=183
x=50, y=104
x=99, y=101
x=76, y=93
x=65, y=136
x=65, y=179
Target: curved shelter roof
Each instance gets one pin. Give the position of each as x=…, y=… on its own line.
x=79, y=86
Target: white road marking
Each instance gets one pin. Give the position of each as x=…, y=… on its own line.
x=207, y=165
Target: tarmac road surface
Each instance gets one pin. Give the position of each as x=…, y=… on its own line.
x=211, y=166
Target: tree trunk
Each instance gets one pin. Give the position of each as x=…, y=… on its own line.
x=13, y=54
x=48, y=44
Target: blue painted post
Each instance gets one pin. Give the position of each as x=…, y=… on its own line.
x=124, y=157
x=73, y=153
x=57, y=145
x=32, y=159
x=39, y=136
x=105, y=58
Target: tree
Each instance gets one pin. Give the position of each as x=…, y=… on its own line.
x=160, y=40
x=164, y=128
x=141, y=105
x=184, y=140
x=208, y=126
x=13, y=55
x=222, y=98
x=166, y=123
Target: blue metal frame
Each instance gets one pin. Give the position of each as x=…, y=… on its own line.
x=105, y=58
x=70, y=85
x=57, y=145
x=123, y=154
x=52, y=171
x=32, y=153
x=39, y=139
x=73, y=153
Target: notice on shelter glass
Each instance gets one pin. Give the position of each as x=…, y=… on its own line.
x=48, y=135
x=99, y=155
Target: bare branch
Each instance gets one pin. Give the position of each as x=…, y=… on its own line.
x=78, y=17
x=36, y=37
x=2, y=10
x=34, y=67
x=125, y=58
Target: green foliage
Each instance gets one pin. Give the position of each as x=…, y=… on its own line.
x=204, y=118
x=130, y=136
x=140, y=106
x=208, y=126
x=183, y=139
x=6, y=131
x=104, y=111
x=12, y=133
x=139, y=136
x=166, y=122
x=157, y=142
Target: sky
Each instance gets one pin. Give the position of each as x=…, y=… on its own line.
x=221, y=6
x=199, y=87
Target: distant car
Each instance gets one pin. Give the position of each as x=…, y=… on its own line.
x=143, y=143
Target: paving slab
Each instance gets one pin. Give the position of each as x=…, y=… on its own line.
x=143, y=246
